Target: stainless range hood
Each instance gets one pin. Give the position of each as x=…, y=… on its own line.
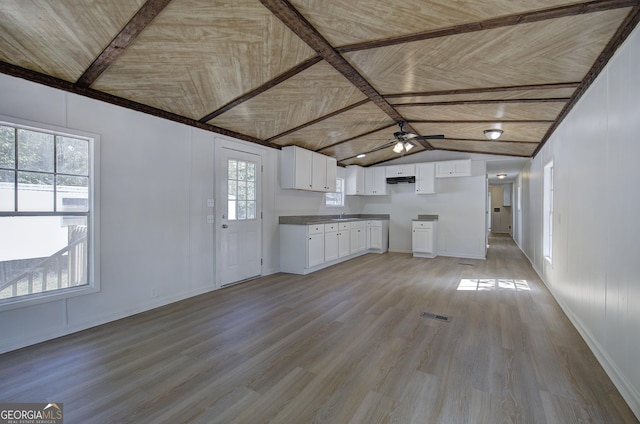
x=396, y=180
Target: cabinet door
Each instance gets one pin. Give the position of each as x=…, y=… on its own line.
x=422, y=240
x=343, y=243
x=358, y=240
x=354, y=184
x=318, y=172
x=453, y=168
x=375, y=238
x=332, y=174
x=375, y=181
x=425, y=178
x=400, y=171
x=315, y=250
x=330, y=246
x=302, y=164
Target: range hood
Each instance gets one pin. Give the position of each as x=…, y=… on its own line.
x=396, y=180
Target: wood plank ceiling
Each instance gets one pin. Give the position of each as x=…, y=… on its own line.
x=334, y=76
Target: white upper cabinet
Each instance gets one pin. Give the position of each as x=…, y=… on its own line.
x=408, y=170
x=375, y=181
x=425, y=178
x=303, y=169
x=453, y=168
x=355, y=180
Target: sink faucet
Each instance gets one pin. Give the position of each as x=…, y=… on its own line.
x=342, y=215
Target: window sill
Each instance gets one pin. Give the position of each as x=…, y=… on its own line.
x=47, y=297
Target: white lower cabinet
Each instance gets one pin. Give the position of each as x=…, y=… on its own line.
x=358, y=237
x=330, y=242
x=377, y=236
x=308, y=248
x=315, y=245
x=423, y=239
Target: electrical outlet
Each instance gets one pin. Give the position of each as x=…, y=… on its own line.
x=210, y=203
x=154, y=292
x=209, y=219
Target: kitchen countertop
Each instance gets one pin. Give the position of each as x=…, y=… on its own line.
x=427, y=218
x=321, y=219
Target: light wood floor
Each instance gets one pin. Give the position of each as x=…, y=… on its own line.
x=342, y=345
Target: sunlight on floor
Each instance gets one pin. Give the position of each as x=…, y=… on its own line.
x=490, y=284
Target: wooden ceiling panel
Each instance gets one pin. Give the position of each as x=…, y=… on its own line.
x=557, y=50
x=198, y=55
x=364, y=144
x=344, y=22
x=491, y=147
x=343, y=126
x=554, y=93
x=331, y=76
x=304, y=97
x=491, y=111
x=530, y=132
x=60, y=38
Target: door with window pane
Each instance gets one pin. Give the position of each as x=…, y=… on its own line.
x=239, y=213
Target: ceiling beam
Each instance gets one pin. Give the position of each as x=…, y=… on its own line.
x=482, y=121
x=485, y=90
x=120, y=42
x=503, y=21
x=297, y=23
x=484, y=102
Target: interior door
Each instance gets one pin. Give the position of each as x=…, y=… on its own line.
x=239, y=216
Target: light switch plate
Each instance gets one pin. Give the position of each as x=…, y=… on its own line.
x=210, y=203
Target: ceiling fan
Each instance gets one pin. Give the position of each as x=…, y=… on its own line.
x=403, y=141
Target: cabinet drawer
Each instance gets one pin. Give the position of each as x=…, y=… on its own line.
x=374, y=223
x=330, y=228
x=315, y=229
x=422, y=224
x=344, y=226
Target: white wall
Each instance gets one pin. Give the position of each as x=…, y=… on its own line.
x=155, y=177
x=595, y=274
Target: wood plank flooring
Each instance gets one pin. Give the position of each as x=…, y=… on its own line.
x=343, y=345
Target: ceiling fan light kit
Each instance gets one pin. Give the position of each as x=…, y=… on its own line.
x=493, y=134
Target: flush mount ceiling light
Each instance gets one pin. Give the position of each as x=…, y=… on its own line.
x=361, y=155
x=501, y=176
x=493, y=134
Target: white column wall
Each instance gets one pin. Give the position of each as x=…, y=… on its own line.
x=595, y=273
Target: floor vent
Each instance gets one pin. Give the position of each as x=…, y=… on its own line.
x=464, y=263
x=435, y=316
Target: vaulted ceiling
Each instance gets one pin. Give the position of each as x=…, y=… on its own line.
x=334, y=76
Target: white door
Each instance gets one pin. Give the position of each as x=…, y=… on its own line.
x=239, y=216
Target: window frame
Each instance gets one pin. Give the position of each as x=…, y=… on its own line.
x=340, y=189
x=93, y=216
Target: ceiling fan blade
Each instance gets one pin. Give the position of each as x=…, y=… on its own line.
x=429, y=137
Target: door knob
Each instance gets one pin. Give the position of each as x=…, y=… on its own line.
x=225, y=226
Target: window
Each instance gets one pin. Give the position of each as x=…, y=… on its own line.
x=241, y=190
x=46, y=201
x=337, y=198
x=547, y=236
